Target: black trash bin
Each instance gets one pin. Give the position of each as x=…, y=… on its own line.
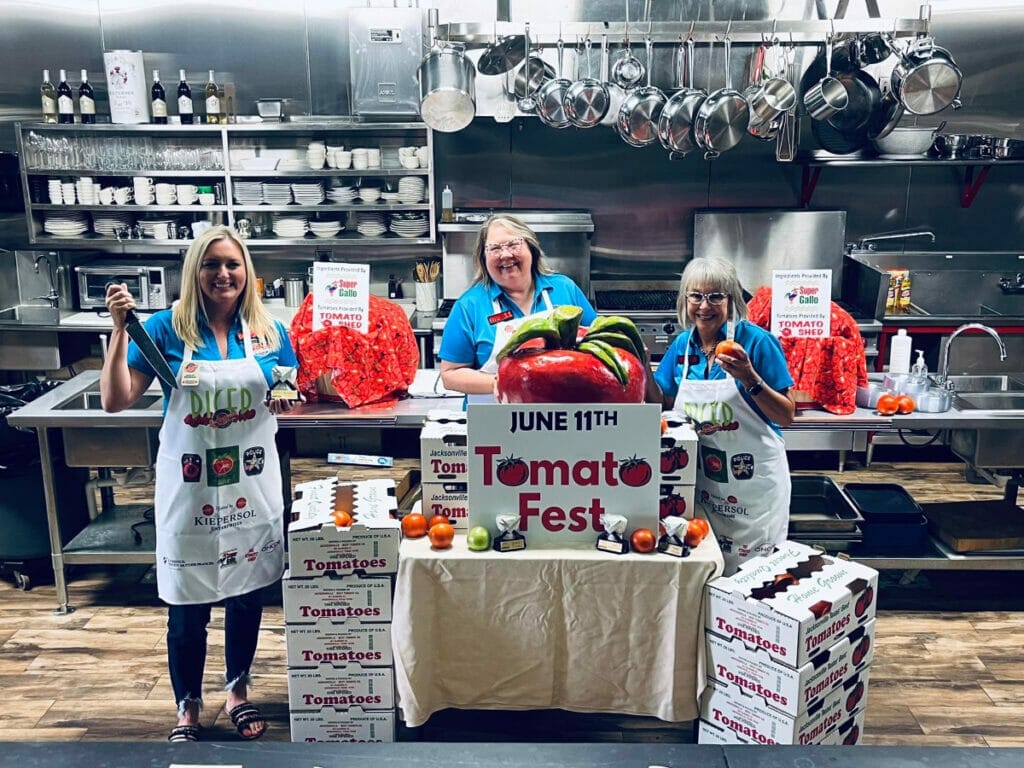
x=24, y=535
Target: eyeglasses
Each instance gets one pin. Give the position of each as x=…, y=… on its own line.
x=511, y=246
x=715, y=298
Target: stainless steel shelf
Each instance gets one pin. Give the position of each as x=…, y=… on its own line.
x=328, y=172
x=327, y=207
x=924, y=162
x=346, y=238
x=132, y=208
x=176, y=174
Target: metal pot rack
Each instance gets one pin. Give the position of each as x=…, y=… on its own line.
x=800, y=32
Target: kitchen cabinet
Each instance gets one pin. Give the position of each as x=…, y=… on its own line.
x=261, y=176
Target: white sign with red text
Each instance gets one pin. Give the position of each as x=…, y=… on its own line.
x=341, y=296
x=801, y=303
x=560, y=467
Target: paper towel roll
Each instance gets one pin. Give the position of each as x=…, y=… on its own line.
x=127, y=87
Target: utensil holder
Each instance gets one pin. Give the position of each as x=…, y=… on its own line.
x=426, y=298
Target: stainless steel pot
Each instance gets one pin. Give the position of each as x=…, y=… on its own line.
x=1007, y=149
x=963, y=146
x=675, y=125
x=723, y=118
x=447, y=88
x=586, y=101
x=926, y=79
x=768, y=98
x=639, y=113
x=551, y=96
x=828, y=96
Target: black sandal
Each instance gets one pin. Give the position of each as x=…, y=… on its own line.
x=244, y=716
x=185, y=733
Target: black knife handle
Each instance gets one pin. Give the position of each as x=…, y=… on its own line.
x=130, y=317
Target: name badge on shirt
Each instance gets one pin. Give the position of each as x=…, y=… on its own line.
x=190, y=375
x=500, y=317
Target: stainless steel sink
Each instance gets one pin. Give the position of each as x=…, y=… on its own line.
x=30, y=315
x=990, y=401
x=984, y=383
x=90, y=401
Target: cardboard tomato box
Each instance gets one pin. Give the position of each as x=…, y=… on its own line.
x=824, y=599
x=316, y=545
x=343, y=725
x=344, y=685
x=345, y=641
x=789, y=690
x=848, y=733
x=675, y=500
x=444, y=456
x=726, y=706
x=363, y=598
x=448, y=499
x=678, y=454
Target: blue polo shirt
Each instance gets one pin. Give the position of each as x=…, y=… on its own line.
x=469, y=336
x=173, y=348
x=763, y=349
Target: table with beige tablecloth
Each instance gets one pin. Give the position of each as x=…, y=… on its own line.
x=580, y=630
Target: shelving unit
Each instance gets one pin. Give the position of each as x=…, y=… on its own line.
x=212, y=155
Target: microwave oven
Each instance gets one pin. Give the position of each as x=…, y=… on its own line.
x=153, y=285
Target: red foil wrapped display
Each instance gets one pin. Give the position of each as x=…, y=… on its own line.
x=340, y=364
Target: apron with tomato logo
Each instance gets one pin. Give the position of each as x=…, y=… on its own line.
x=743, y=480
x=503, y=331
x=218, y=499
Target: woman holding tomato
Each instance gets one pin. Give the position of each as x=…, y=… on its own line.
x=730, y=377
x=512, y=283
x=218, y=500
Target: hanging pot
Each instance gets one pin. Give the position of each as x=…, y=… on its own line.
x=926, y=79
x=723, y=118
x=828, y=96
x=586, y=101
x=550, y=97
x=675, y=125
x=768, y=97
x=447, y=89
x=639, y=113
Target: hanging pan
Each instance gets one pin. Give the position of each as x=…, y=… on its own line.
x=723, y=118
x=639, y=113
x=616, y=95
x=551, y=96
x=505, y=54
x=586, y=101
x=675, y=126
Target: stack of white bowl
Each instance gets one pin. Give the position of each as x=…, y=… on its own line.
x=326, y=228
x=289, y=226
x=341, y=195
x=316, y=155
x=369, y=194
x=56, y=191
x=87, y=190
x=411, y=189
x=370, y=224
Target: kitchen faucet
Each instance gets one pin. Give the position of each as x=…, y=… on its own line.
x=52, y=296
x=943, y=375
x=867, y=243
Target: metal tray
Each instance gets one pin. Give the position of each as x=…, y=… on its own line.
x=817, y=505
x=886, y=502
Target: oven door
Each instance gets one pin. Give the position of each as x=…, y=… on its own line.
x=92, y=286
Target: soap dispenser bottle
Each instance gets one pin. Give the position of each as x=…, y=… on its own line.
x=919, y=370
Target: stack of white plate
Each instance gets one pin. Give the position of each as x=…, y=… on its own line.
x=409, y=224
x=290, y=226
x=341, y=195
x=106, y=223
x=70, y=224
x=370, y=224
x=389, y=197
x=308, y=194
x=248, y=192
x=149, y=225
x=277, y=193
x=291, y=164
x=411, y=189
x=326, y=228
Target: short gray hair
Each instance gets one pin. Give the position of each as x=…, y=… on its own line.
x=710, y=272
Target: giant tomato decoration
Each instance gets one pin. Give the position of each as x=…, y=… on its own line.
x=551, y=360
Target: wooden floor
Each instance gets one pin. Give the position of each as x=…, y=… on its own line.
x=948, y=669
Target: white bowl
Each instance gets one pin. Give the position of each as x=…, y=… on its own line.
x=906, y=141
x=369, y=195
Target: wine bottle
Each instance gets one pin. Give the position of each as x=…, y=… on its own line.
x=158, y=100
x=184, y=99
x=49, y=96
x=86, y=100
x=65, y=103
x=212, y=100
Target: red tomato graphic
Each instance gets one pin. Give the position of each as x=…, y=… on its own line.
x=668, y=462
x=207, y=509
x=714, y=463
x=731, y=499
x=223, y=465
x=671, y=505
x=240, y=504
x=512, y=471
x=635, y=472
x=854, y=734
x=680, y=456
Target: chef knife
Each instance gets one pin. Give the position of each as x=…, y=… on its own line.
x=138, y=333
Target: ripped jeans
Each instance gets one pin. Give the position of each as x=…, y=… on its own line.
x=186, y=644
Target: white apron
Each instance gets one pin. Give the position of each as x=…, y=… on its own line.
x=219, y=504
x=503, y=330
x=743, y=482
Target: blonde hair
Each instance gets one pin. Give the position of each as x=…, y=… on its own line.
x=711, y=273
x=513, y=224
x=185, y=315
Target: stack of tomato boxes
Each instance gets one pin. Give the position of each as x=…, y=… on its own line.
x=789, y=642
x=678, y=467
x=342, y=554
x=444, y=461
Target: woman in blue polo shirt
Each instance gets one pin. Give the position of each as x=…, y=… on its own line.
x=218, y=502
x=512, y=283
x=737, y=399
